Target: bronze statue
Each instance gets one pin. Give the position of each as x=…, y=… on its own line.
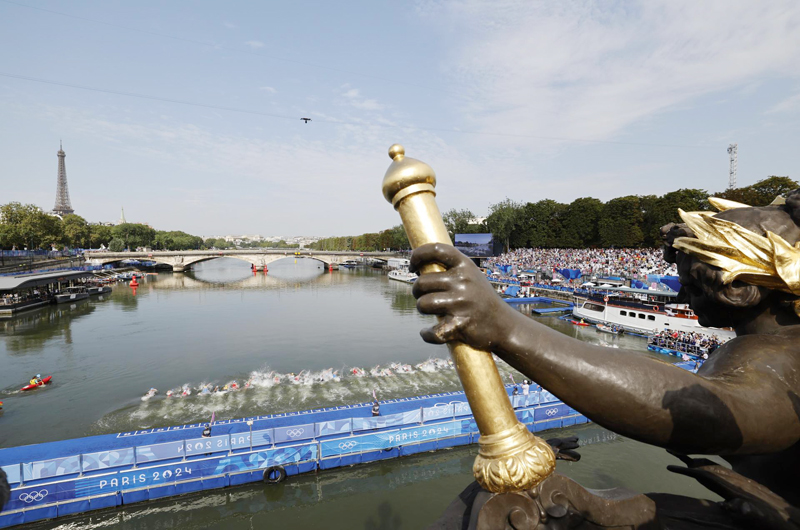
x=738, y=268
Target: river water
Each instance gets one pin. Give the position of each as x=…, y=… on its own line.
x=221, y=323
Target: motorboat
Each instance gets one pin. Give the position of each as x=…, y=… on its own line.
x=72, y=294
x=349, y=264
x=609, y=329
x=403, y=275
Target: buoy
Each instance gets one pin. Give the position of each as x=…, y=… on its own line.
x=134, y=283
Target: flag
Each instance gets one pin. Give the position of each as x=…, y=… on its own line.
x=213, y=414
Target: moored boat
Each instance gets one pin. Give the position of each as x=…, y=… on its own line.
x=640, y=311
x=98, y=289
x=72, y=294
x=403, y=275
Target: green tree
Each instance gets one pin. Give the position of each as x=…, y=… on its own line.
x=221, y=244
x=620, y=222
x=503, y=220
x=26, y=225
x=762, y=192
x=539, y=225
x=458, y=222
x=660, y=211
x=76, y=231
x=116, y=245
x=134, y=234
x=99, y=235
x=580, y=223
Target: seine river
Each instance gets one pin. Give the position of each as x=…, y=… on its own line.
x=221, y=323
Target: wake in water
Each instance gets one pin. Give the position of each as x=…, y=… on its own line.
x=267, y=391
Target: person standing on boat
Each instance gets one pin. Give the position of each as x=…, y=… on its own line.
x=376, y=408
x=526, y=388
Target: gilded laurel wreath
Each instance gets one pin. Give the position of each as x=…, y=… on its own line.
x=769, y=261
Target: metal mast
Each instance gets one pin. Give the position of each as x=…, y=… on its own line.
x=63, y=206
x=733, y=161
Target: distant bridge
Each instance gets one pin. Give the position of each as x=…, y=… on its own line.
x=180, y=260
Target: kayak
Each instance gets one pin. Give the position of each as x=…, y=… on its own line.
x=44, y=382
x=579, y=323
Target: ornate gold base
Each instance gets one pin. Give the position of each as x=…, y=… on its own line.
x=513, y=460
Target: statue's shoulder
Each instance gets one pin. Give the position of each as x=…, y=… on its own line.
x=773, y=355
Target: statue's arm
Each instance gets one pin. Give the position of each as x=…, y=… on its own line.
x=737, y=411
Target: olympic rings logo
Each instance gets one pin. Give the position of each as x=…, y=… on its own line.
x=294, y=433
x=347, y=445
x=33, y=496
x=551, y=412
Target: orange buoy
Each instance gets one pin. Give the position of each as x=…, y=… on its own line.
x=134, y=283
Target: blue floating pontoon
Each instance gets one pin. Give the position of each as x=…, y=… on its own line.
x=57, y=479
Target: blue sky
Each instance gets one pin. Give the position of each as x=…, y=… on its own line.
x=519, y=99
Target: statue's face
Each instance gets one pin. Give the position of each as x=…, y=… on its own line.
x=701, y=285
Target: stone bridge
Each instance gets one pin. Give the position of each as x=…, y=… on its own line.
x=180, y=260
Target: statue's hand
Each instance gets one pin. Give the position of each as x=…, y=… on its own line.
x=563, y=448
x=470, y=309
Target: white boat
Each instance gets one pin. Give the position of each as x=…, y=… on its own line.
x=349, y=264
x=402, y=275
x=640, y=311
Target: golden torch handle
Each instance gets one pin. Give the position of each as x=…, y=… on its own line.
x=510, y=457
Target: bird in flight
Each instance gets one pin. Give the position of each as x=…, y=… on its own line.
x=306, y=119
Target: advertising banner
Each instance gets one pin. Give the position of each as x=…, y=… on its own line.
x=389, y=439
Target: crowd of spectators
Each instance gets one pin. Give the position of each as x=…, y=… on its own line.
x=620, y=262
x=687, y=342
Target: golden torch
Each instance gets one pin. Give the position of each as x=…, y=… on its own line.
x=511, y=458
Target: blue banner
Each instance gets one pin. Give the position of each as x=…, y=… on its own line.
x=192, y=469
x=552, y=412
x=570, y=274
x=461, y=408
x=438, y=412
x=157, y=452
x=12, y=472
x=392, y=420
x=107, y=459
x=389, y=439
x=212, y=444
x=51, y=468
x=326, y=428
x=294, y=432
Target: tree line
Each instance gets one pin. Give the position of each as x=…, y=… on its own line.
x=630, y=221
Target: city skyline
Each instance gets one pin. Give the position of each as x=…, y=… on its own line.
x=194, y=124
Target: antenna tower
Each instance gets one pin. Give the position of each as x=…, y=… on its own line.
x=733, y=160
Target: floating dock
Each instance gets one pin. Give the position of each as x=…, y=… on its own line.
x=58, y=479
x=563, y=306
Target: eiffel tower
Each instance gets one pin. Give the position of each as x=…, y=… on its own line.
x=63, y=206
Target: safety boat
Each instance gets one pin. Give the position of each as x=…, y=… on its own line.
x=613, y=330
x=43, y=382
x=402, y=275
x=581, y=323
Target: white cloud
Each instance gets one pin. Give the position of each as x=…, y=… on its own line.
x=791, y=104
x=255, y=44
x=590, y=69
x=268, y=89
x=355, y=100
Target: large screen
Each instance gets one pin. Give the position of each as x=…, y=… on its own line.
x=475, y=245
